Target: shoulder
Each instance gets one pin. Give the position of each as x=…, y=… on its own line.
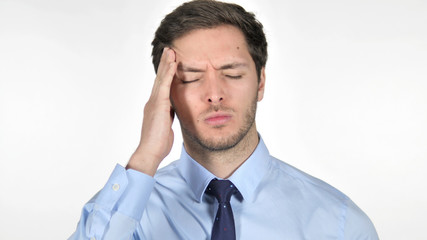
x=325, y=202
x=357, y=224
x=305, y=182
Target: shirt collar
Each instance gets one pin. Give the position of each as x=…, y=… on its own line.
x=246, y=178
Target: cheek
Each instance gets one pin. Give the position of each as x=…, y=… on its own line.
x=184, y=100
x=179, y=95
x=245, y=91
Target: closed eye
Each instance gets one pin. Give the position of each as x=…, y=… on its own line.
x=234, y=76
x=185, y=82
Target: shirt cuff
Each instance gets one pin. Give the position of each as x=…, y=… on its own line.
x=136, y=195
x=127, y=191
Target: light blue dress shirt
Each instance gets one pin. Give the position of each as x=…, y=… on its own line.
x=277, y=201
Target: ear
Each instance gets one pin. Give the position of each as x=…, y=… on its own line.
x=261, y=85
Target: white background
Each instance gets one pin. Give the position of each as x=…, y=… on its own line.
x=345, y=101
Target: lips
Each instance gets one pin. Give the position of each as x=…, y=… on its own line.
x=218, y=119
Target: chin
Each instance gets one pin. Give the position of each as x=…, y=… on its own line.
x=218, y=144
x=217, y=140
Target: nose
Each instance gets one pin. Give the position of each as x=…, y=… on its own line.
x=214, y=89
x=215, y=99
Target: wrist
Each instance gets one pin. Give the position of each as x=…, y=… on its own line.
x=143, y=163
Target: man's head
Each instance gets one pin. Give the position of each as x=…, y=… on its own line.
x=220, y=52
x=205, y=14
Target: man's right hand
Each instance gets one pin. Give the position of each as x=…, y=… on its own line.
x=157, y=134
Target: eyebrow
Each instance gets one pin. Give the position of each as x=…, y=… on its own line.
x=182, y=67
x=235, y=65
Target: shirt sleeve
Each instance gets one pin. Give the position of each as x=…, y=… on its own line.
x=115, y=211
x=357, y=225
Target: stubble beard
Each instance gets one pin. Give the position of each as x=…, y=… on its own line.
x=225, y=143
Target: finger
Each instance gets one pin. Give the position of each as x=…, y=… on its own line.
x=166, y=81
x=167, y=67
x=172, y=63
x=165, y=75
x=161, y=70
x=162, y=61
x=165, y=60
x=171, y=55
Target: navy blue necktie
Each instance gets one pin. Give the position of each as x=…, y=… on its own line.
x=223, y=228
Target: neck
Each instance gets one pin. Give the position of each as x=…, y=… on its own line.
x=223, y=163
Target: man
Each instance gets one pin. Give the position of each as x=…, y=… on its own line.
x=210, y=61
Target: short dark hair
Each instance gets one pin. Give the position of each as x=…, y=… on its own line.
x=203, y=14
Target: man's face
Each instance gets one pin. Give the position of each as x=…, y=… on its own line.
x=215, y=89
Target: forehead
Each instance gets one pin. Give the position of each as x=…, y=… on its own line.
x=217, y=46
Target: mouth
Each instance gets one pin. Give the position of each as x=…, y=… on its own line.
x=217, y=119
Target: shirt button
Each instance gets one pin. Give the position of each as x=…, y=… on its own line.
x=116, y=187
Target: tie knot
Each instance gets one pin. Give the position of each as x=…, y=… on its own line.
x=221, y=190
